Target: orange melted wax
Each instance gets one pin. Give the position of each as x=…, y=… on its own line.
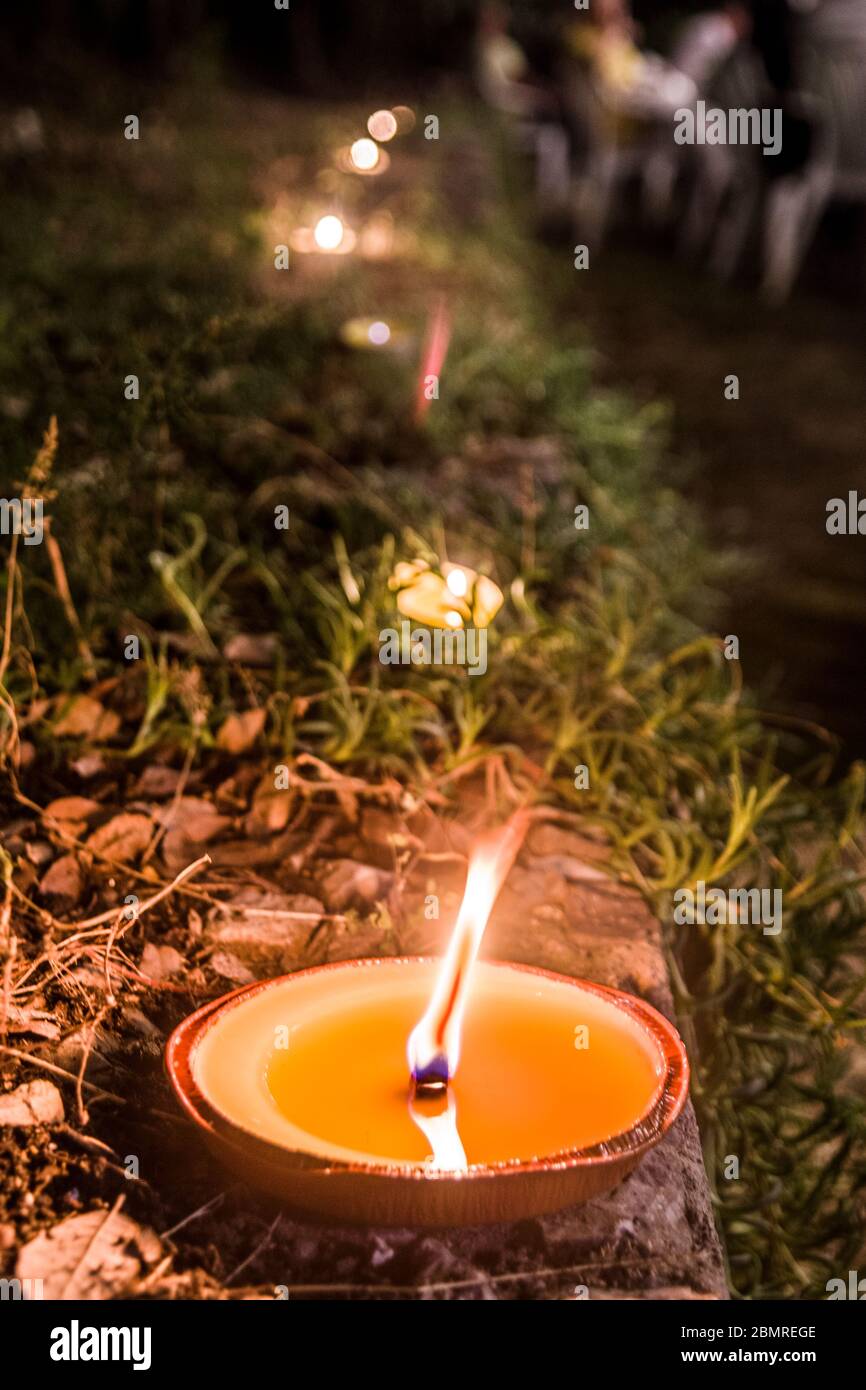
x=522, y=1090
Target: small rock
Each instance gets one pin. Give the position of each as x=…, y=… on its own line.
x=270, y=808
x=86, y=716
x=95, y=1255
x=198, y=819
x=157, y=781
x=141, y=1024
x=34, y=1103
x=33, y=1021
x=26, y=753
x=350, y=884
x=546, y=840
x=89, y=765
x=123, y=838
x=192, y=822
x=252, y=649
x=227, y=965
x=39, y=852
x=159, y=962
x=239, y=731
x=64, y=879
x=266, y=929
x=75, y=808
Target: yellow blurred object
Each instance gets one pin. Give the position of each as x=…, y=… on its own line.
x=452, y=597
x=376, y=334
x=616, y=60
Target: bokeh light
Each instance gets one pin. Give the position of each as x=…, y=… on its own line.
x=405, y=118
x=379, y=333
x=328, y=232
x=457, y=582
x=382, y=125
x=364, y=154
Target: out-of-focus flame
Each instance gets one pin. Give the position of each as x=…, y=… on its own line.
x=382, y=125
x=379, y=333
x=434, y=1043
x=433, y=357
x=364, y=154
x=437, y=1121
x=457, y=581
x=328, y=232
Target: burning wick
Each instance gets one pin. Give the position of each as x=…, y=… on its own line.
x=434, y=1043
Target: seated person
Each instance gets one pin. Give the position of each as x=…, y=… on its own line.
x=631, y=84
x=504, y=72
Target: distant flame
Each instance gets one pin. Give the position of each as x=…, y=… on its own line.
x=434, y=1043
x=328, y=232
x=364, y=154
x=382, y=125
x=433, y=356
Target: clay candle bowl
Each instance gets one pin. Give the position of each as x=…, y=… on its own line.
x=301, y=1085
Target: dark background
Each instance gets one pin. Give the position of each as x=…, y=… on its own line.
x=343, y=47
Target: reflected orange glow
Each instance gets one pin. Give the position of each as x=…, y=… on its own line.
x=437, y=1121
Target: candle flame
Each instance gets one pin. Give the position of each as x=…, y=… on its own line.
x=434, y=1043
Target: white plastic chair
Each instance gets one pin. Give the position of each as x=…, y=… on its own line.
x=545, y=140
x=727, y=186
x=834, y=80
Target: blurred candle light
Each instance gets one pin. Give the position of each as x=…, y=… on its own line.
x=376, y=239
x=328, y=232
x=364, y=159
x=449, y=597
x=405, y=118
x=364, y=154
x=376, y=335
x=379, y=333
x=382, y=125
